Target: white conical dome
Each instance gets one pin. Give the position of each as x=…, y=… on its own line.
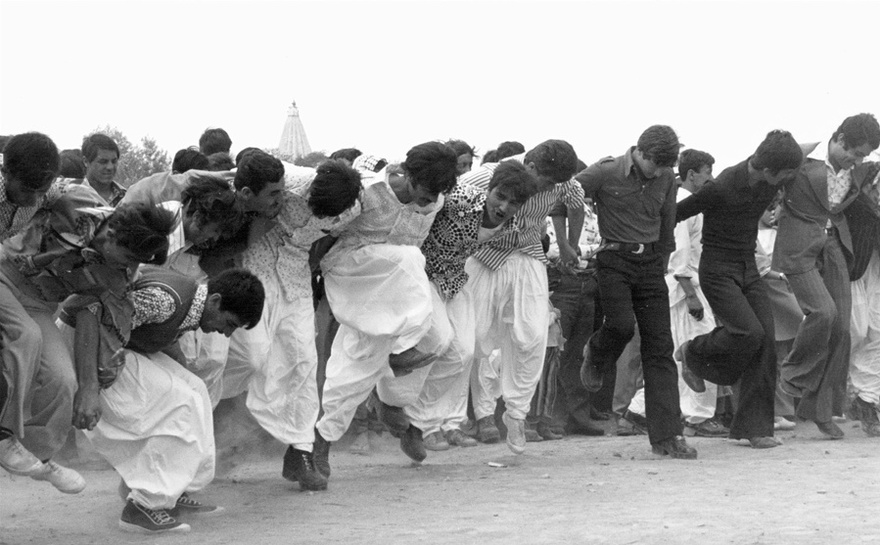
x=294, y=142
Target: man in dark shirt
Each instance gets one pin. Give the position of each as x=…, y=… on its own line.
x=635, y=201
x=741, y=347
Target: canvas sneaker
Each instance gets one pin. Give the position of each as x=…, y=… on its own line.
x=18, y=460
x=185, y=504
x=139, y=519
x=63, y=478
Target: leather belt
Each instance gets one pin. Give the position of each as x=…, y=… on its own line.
x=630, y=247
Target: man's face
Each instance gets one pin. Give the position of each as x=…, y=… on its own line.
x=648, y=166
x=499, y=207
x=199, y=233
x=780, y=177
x=465, y=163
x=421, y=196
x=267, y=202
x=844, y=157
x=103, y=168
x=215, y=320
x=699, y=178
x=24, y=195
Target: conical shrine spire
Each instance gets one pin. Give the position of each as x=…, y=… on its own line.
x=294, y=142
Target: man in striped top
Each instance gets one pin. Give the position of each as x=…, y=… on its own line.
x=508, y=284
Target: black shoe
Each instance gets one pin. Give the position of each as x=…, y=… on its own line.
x=411, y=444
x=867, y=414
x=392, y=417
x=591, y=377
x=676, y=447
x=137, y=518
x=299, y=466
x=321, y=455
x=694, y=382
x=830, y=429
x=487, y=430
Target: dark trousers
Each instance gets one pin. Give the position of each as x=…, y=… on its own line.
x=742, y=348
x=632, y=288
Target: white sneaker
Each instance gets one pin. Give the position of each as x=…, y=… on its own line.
x=516, y=433
x=18, y=460
x=63, y=478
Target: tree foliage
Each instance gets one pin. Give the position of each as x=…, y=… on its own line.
x=136, y=161
x=312, y=159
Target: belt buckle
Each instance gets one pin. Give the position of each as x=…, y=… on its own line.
x=641, y=249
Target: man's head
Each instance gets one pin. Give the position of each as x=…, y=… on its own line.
x=490, y=156
x=30, y=165
x=137, y=233
x=778, y=157
x=431, y=168
x=239, y=158
x=235, y=299
x=695, y=168
x=854, y=140
x=189, y=159
x=508, y=149
x=551, y=162
x=510, y=187
x=211, y=210
x=259, y=181
x=101, y=156
x=465, y=154
x=347, y=155
x=656, y=149
x=220, y=161
x=335, y=189
x=214, y=140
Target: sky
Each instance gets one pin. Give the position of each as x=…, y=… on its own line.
x=384, y=76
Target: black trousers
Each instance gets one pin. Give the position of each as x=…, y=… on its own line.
x=742, y=347
x=632, y=288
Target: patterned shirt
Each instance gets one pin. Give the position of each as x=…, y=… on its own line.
x=454, y=237
x=281, y=255
x=153, y=305
x=530, y=220
x=13, y=218
x=383, y=219
x=117, y=192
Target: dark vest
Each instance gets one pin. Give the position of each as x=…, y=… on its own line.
x=150, y=338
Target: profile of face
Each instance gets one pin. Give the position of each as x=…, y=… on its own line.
x=419, y=195
x=781, y=177
x=103, y=168
x=197, y=232
x=117, y=256
x=267, y=203
x=846, y=157
x=700, y=177
x=500, y=207
x=22, y=194
x=465, y=163
x=215, y=320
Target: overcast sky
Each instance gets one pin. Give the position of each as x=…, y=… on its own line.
x=384, y=76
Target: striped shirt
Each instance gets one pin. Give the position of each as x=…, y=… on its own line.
x=530, y=219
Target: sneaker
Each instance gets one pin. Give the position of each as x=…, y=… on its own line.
x=299, y=466
x=459, y=438
x=412, y=445
x=516, y=433
x=487, y=430
x=868, y=416
x=435, y=441
x=18, y=460
x=675, y=447
x=706, y=428
x=186, y=504
x=63, y=478
x=783, y=424
x=321, y=455
x=694, y=382
x=137, y=518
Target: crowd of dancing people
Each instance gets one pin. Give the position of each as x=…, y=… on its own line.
x=521, y=299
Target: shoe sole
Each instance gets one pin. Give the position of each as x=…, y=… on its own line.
x=134, y=528
x=34, y=469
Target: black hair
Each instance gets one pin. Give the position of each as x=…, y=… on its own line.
x=94, y=142
x=31, y=158
x=515, y=178
x=859, y=130
x=335, y=188
x=349, y=154
x=509, y=149
x=244, y=153
x=211, y=200
x=460, y=147
x=258, y=168
x=241, y=293
x=659, y=144
x=143, y=229
x=553, y=158
x=220, y=161
x=779, y=151
x=189, y=159
x=72, y=165
x=692, y=159
x=214, y=140
x=490, y=156
x=433, y=166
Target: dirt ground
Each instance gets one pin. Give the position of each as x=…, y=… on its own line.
x=586, y=490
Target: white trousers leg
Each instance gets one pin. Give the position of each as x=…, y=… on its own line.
x=156, y=430
x=695, y=407
x=512, y=314
x=206, y=355
x=279, y=361
x=865, y=333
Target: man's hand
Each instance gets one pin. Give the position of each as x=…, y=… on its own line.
x=695, y=307
x=86, y=408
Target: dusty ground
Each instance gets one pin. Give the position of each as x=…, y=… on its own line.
x=608, y=490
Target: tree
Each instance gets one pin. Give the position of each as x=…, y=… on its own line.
x=136, y=162
x=312, y=159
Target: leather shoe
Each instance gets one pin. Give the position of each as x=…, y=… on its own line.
x=412, y=445
x=830, y=429
x=487, y=430
x=321, y=454
x=694, y=382
x=591, y=377
x=867, y=414
x=675, y=447
x=764, y=442
x=392, y=417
